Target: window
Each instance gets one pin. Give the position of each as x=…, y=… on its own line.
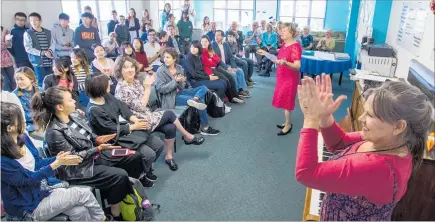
x=175, y=8
x=303, y=12
x=227, y=11
x=100, y=8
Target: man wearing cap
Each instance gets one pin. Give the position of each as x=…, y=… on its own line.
x=86, y=35
x=62, y=38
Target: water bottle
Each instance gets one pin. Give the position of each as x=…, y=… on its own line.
x=146, y=204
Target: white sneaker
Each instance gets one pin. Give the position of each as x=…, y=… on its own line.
x=197, y=105
x=239, y=101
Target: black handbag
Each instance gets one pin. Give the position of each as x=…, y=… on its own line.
x=189, y=119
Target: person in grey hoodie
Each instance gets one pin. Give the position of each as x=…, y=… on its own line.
x=121, y=30
x=86, y=35
x=62, y=38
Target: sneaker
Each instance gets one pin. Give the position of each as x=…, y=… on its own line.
x=244, y=94
x=227, y=109
x=250, y=84
x=210, y=131
x=251, y=81
x=238, y=100
x=196, y=104
x=146, y=182
x=150, y=176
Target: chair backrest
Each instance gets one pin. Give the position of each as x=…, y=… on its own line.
x=154, y=100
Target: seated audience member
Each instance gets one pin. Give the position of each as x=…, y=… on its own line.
x=141, y=56
x=175, y=90
x=111, y=46
x=369, y=170
x=163, y=39
x=144, y=29
x=30, y=190
x=238, y=36
x=103, y=114
x=67, y=131
x=81, y=68
x=307, y=39
x=185, y=28
x=135, y=95
x=86, y=35
x=62, y=38
x=253, y=43
x=121, y=31
x=269, y=44
x=126, y=49
x=172, y=40
x=327, y=43
x=26, y=87
x=278, y=31
x=263, y=28
x=211, y=34
x=113, y=22
x=37, y=42
x=18, y=50
x=7, y=62
x=214, y=66
x=62, y=76
x=223, y=50
x=104, y=65
x=196, y=75
x=246, y=64
x=171, y=21
x=153, y=50
x=9, y=97
x=298, y=38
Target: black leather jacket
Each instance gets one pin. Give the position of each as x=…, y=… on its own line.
x=60, y=137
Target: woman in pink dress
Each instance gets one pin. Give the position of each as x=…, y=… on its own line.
x=287, y=74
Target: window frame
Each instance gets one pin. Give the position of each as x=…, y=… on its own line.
x=309, y=17
x=97, y=13
x=226, y=23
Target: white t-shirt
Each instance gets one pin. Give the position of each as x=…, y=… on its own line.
x=107, y=44
x=27, y=161
x=152, y=51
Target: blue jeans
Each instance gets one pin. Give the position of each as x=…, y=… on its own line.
x=186, y=94
x=239, y=78
x=41, y=72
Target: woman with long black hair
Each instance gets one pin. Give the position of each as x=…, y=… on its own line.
x=67, y=131
x=29, y=189
x=62, y=76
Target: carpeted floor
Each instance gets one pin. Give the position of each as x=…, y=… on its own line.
x=245, y=173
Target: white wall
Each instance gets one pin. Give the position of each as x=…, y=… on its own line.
x=404, y=56
x=265, y=9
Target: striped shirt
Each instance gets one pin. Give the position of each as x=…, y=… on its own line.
x=79, y=129
x=81, y=75
x=44, y=46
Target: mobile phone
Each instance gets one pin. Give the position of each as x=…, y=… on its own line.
x=122, y=152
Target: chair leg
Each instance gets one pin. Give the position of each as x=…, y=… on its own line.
x=302, y=75
x=339, y=80
x=175, y=145
x=331, y=74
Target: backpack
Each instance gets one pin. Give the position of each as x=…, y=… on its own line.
x=131, y=206
x=215, y=106
x=189, y=119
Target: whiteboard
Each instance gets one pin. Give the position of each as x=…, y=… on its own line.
x=411, y=26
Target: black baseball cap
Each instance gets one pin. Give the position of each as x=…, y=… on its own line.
x=64, y=16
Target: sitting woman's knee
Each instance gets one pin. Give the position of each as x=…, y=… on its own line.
x=171, y=131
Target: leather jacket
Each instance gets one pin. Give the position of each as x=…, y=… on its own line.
x=61, y=137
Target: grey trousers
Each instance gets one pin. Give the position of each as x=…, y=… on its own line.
x=151, y=151
x=79, y=204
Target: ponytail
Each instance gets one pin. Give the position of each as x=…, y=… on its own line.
x=43, y=105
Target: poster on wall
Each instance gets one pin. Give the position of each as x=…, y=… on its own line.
x=411, y=27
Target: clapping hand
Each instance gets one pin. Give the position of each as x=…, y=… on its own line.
x=149, y=80
x=66, y=159
x=213, y=77
x=108, y=147
x=315, y=98
x=105, y=138
x=179, y=78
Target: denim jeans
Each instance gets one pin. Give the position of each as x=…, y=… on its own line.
x=186, y=94
x=41, y=72
x=239, y=77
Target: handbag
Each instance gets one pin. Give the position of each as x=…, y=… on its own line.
x=189, y=119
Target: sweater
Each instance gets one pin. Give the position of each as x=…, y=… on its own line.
x=111, y=26
x=354, y=174
x=59, y=38
x=85, y=38
x=21, y=188
x=141, y=57
x=24, y=97
x=18, y=50
x=209, y=62
x=185, y=29
x=122, y=33
x=269, y=39
x=194, y=69
x=167, y=86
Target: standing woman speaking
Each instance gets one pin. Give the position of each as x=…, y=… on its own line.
x=287, y=74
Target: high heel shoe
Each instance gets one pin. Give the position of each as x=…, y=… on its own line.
x=195, y=141
x=281, y=133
